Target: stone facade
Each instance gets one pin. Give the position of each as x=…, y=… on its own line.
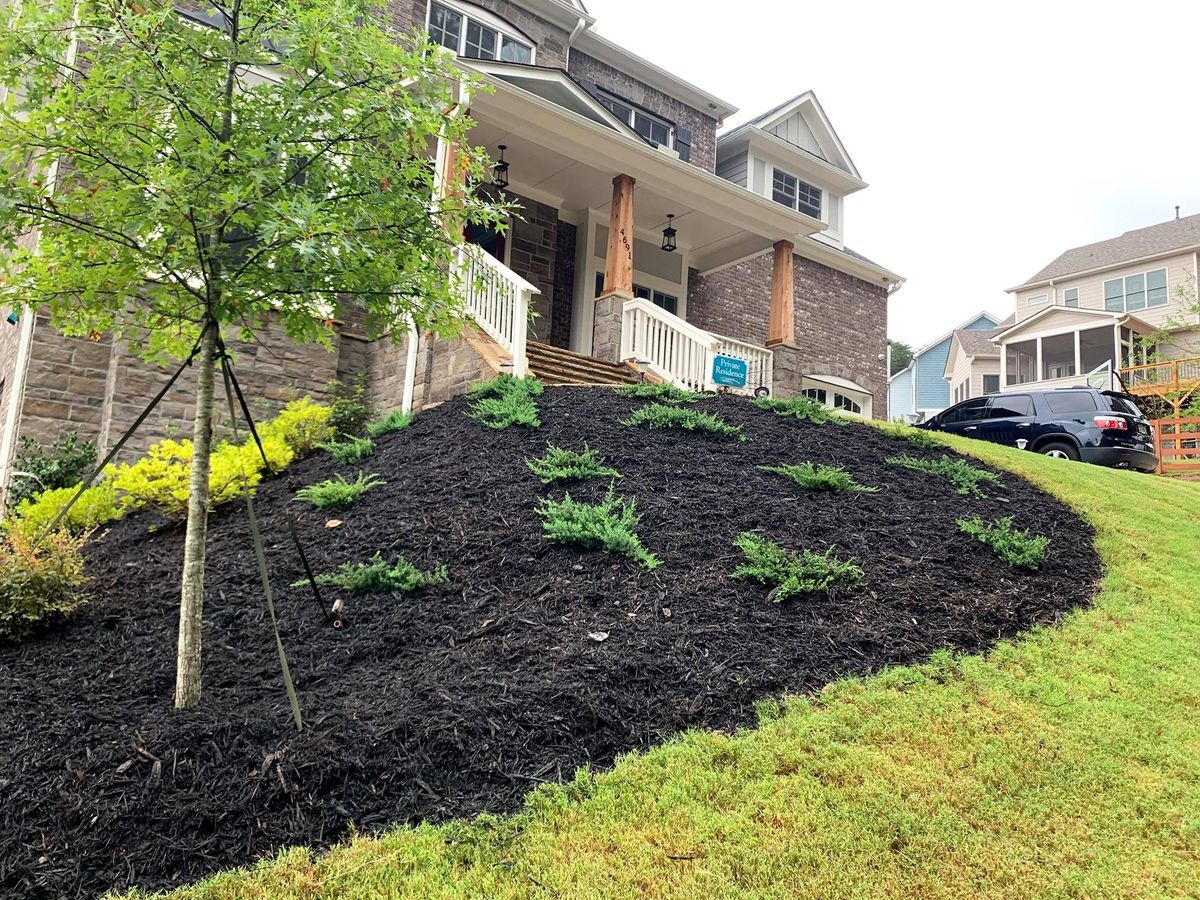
x=533, y=248
x=446, y=367
x=564, y=285
x=703, y=127
x=411, y=15
x=841, y=321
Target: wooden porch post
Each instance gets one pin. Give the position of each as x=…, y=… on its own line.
x=781, y=322
x=618, y=267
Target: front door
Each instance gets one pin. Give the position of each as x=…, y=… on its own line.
x=492, y=241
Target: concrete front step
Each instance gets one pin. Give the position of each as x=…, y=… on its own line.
x=555, y=365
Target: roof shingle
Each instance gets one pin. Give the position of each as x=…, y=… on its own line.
x=978, y=343
x=1162, y=238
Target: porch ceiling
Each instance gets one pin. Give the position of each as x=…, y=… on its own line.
x=561, y=157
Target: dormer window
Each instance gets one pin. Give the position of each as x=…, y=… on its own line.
x=651, y=127
x=790, y=191
x=476, y=35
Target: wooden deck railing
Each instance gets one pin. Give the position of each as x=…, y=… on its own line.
x=1162, y=377
x=1177, y=444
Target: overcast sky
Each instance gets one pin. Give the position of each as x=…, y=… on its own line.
x=993, y=136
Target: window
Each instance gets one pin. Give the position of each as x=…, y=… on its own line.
x=1136, y=292
x=1058, y=356
x=473, y=38
x=1071, y=298
x=1070, y=401
x=651, y=127
x=970, y=411
x=817, y=394
x=962, y=391
x=1010, y=406
x=790, y=191
x=991, y=384
x=841, y=401
x=1021, y=362
x=1036, y=301
x=658, y=298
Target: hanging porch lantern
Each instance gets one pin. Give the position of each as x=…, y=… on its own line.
x=669, y=235
x=500, y=170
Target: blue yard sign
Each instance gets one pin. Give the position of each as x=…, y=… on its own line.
x=730, y=372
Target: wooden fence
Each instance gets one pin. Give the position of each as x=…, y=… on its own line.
x=1177, y=444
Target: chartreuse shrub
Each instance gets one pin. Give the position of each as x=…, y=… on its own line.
x=303, y=425
x=506, y=401
x=918, y=437
x=377, y=576
x=608, y=525
x=659, y=393
x=338, y=493
x=560, y=464
x=96, y=506
x=393, y=421
x=791, y=573
x=834, y=479
x=351, y=451
x=659, y=415
x=806, y=409
x=161, y=478
x=1016, y=547
x=38, y=468
x=38, y=580
x=967, y=479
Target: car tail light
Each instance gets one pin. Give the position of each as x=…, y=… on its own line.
x=1111, y=423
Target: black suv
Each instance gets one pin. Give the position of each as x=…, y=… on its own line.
x=1101, y=427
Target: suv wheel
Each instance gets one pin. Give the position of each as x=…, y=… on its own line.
x=1060, y=450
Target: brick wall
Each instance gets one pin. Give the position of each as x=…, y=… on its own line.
x=564, y=285
x=551, y=41
x=703, y=127
x=841, y=320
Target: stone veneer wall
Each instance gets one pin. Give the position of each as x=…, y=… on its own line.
x=409, y=15
x=532, y=253
x=841, y=320
x=703, y=127
x=564, y=285
x=446, y=367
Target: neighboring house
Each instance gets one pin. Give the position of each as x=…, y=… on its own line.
x=973, y=363
x=1127, y=304
x=643, y=238
x=921, y=389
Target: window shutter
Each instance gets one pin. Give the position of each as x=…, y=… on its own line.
x=683, y=143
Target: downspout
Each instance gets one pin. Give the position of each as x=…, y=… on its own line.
x=580, y=28
x=29, y=316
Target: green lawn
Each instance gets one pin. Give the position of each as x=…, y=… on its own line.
x=1064, y=764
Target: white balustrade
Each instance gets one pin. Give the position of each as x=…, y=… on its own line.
x=499, y=300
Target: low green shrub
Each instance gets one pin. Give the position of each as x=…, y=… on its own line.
x=918, y=437
x=659, y=393
x=96, y=506
x=560, y=464
x=806, y=409
x=658, y=415
x=791, y=573
x=350, y=452
x=608, y=525
x=303, y=425
x=834, y=479
x=37, y=467
x=337, y=492
x=967, y=479
x=38, y=581
x=506, y=401
x=1016, y=547
x=393, y=421
x=352, y=410
x=377, y=576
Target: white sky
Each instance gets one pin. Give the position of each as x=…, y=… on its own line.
x=993, y=136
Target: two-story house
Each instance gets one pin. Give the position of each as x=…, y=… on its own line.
x=924, y=387
x=1121, y=308
x=646, y=239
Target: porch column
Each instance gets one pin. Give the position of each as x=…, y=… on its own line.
x=1078, y=356
x=450, y=182
x=781, y=321
x=618, y=274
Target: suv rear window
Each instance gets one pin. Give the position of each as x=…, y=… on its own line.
x=1119, y=404
x=1071, y=401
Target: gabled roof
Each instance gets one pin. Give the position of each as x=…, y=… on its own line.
x=1001, y=334
x=809, y=107
x=977, y=343
x=982, y=314
x=1156, y=240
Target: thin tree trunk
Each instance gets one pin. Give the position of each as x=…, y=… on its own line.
x=191, y=607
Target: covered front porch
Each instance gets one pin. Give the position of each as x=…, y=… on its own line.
x=614, y=229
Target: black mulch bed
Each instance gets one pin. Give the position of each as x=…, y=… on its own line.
x=463, y=698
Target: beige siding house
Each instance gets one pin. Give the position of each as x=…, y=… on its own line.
x=973, y=366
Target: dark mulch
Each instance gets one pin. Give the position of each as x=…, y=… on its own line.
x=464, y=697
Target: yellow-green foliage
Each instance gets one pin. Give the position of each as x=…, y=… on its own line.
x=161, y=478
x=303, y=425
x=38, y=580
x=96, y=506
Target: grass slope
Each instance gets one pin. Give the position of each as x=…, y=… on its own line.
x=1063, y=764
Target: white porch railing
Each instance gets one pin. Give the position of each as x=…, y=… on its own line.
x=499, y=299
x=683, y=354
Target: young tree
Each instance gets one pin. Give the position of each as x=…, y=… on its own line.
x=191, y=171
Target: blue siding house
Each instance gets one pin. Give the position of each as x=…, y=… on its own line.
x=921, y=389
